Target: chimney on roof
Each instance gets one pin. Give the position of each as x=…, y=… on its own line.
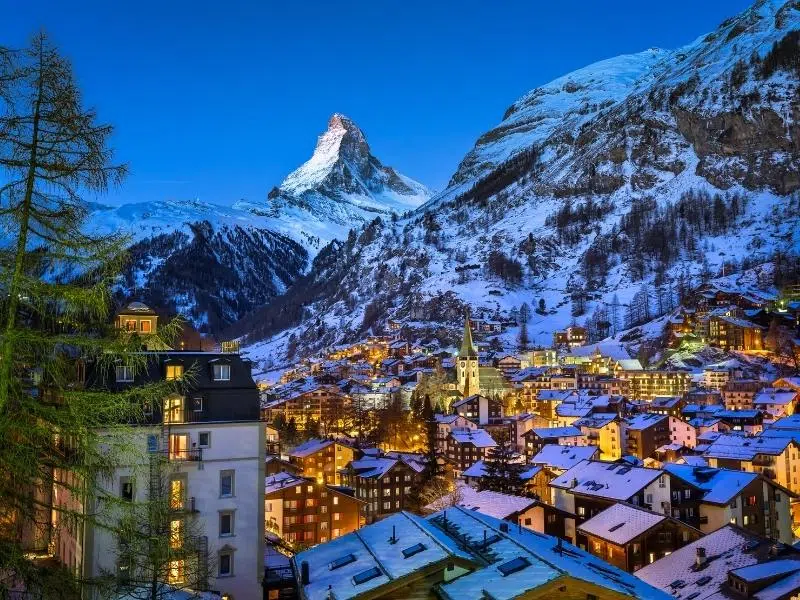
x=393, y=539
x=700, y=558
x=304, y=576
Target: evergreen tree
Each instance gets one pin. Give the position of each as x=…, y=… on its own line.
x=503, y=471
x=55, y=314
x=431, y=440
x=522, y=341
x=524, y=313
x=542, y=306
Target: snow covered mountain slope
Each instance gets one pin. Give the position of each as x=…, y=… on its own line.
x=639, y=173
x=215, y=263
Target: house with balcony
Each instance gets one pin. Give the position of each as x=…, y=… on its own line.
x=302, y=511
x=606, y=431
x=753, y=567
x=203, y=446
x=708, y=498
x=774, y=454
x=538, y=437
x=592, y=486
x=382, y=483
x=645, y=433
x=630, y=537
x=322, y=459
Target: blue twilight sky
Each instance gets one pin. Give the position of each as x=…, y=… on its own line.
x=221, y=100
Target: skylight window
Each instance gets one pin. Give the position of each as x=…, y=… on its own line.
x=513, y=566
x=365, y=576
x=342, y=561
x=703, y=580
x=412, y=550
x=615, y=527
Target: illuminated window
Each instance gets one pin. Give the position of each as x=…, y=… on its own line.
x=173, y=409
x=174, y=372
x=145, y=326
x=130, y=325
x=177, y=492
x=176, y=534
x=177, y=572
x=179, y=446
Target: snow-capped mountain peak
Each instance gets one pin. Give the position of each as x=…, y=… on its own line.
x=345, y=182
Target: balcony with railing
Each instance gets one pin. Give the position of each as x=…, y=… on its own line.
x=185, y=454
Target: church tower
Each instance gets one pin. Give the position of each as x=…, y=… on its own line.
x=467, y=372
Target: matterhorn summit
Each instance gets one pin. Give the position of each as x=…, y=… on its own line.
x=343, y=183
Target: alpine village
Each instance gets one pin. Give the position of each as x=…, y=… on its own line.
x=573, y=373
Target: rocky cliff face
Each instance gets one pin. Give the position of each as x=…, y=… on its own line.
x=212, y=275
x=642, y=172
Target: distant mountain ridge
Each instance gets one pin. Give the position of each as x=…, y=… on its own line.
x=652, y=170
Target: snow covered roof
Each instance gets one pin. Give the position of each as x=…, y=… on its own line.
x=480, y=438
x=615, y=481
x=557, y=432
x=282, y=480
x=468, y=399
x=790, y=422
x=563, y=457
x=338, y=568
x=573, y=409
x=753, y=573
x=741, y=323
x=528, y=373
x=693, y=461
x=720, y=485
x=609, y=349
x=560, y=395
x=373, y=467
x=494, y=504
x=727, y=549
x=310, y=447
x=644, y=420
x=595, y=421
x=621, y=523
x=630, y=364
x=773, y=396
x=665, y=401
x=746, y=448
x=524, y=560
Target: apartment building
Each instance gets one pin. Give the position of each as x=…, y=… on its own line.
x=322, y=460
x=204, y=448
x=302, y=511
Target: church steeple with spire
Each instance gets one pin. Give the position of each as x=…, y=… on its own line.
x=467, y=372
